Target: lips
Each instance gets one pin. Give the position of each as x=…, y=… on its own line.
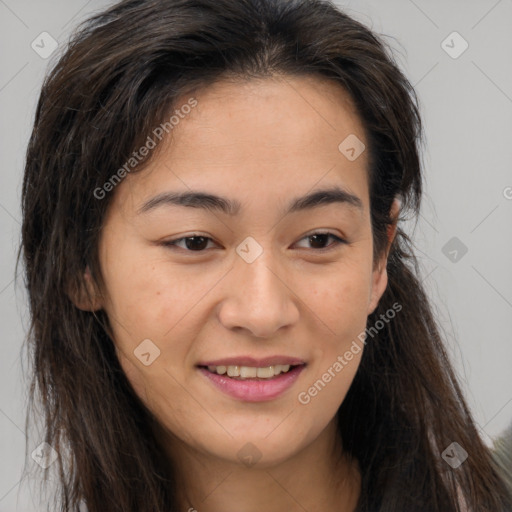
x=253, y=380
x=253, y=362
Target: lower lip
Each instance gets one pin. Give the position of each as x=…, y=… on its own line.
x=254, y=390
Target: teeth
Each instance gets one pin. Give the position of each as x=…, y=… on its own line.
x=233, y=371
x=265, y=373
x=248, y=372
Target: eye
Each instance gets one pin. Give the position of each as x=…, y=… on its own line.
x=198, y=243
x=194, y=243
x=320, y=237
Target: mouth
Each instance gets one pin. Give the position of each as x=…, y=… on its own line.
x=250, y=372
x=253, y=383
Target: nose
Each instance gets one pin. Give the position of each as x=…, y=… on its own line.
x=259, y=298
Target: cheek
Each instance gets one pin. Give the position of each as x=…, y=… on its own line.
x=148, y=296
x=340, y=300
x=340, y=303
x=157, y=386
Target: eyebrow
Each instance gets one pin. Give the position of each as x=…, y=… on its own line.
x=231, y=207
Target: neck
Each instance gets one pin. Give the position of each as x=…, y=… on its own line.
x=318, y=477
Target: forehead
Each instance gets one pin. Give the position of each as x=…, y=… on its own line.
x=263, y=137
x=282, y=111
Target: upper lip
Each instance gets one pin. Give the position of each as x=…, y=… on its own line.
x=252, y=361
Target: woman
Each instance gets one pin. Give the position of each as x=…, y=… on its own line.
x=195, y=346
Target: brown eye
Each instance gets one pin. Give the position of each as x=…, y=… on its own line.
x=196, y=243
x=318, y=241
x=199, y=243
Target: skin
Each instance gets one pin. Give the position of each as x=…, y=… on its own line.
x=262, y=143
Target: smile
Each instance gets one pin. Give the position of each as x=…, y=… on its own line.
x=248, y=372
x=252, y=383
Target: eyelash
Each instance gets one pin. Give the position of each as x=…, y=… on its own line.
x=172, y=244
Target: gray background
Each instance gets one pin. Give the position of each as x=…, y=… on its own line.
x=466, y=104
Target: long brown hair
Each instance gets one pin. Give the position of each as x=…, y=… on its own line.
x=120, y=77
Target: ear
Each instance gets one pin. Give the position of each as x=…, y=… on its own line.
x=87, y=297
x=380, y=274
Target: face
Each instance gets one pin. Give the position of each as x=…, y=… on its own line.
x=261, y=278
